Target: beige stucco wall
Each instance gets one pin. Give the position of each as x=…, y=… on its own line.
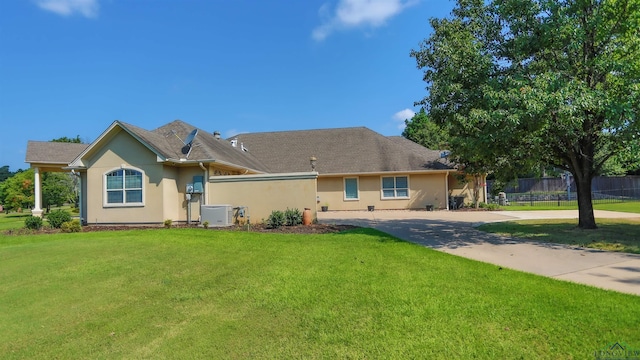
x=423, y=189
x=464, y=187
x=122, y=150
x=263, y=196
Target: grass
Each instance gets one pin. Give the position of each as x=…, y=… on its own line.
x=193, y=293
x=632, y=206
x=621, y=235
x=15, y=220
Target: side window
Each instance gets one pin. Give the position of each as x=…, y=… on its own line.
x=123, y=187
x=395, y=187
x=351, y=189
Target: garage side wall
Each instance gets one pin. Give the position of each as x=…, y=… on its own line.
x=262, y=194
x=424, y=189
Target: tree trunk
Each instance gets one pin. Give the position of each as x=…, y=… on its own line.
x=586, y=219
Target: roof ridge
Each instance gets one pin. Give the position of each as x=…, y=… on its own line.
x=300, y=130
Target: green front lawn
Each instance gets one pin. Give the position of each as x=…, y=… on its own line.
x=612, y=234
x=632, y=206
x=195, y=293
x=13, y=220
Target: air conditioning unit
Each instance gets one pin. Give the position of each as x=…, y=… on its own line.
x=217, y=215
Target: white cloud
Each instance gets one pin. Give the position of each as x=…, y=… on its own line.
x=401, y=116
x=86, y=8
x=357, y=13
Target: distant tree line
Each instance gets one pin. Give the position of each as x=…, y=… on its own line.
x=17, y=190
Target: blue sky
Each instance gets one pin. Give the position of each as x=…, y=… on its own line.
x=72, y=67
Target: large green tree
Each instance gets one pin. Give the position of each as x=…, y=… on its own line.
x=524, y=83
x=421, y=130
x=17, y=192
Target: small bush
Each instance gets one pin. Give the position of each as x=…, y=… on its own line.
x=168, y=223
x=33, y=222
x=276, y=219
x=205, y=224
x=57, y=218
x=71, y=226
x=492, y=206
x=293, y=217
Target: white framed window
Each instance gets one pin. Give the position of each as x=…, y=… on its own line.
x=395, y=187
x=124, y=187
x=351, y=189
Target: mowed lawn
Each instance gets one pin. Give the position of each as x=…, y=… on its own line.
x=195, y=293
x=621, y=235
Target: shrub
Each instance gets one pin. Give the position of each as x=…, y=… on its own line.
x=57, y=218
x=71, y=226
x=492, y=206
x=205, y=224
x=293, y=217
x=168, y=223
x=33, y=222
x=276, y=219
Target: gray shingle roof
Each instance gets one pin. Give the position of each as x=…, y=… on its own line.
x=168, y=141
x=339, y=151
x=48, y=152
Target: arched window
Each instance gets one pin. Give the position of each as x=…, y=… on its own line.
x=124, y=187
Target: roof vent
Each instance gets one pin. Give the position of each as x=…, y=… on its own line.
x=444, y=154
x=216, y=134
x=243, y=148
x=234, y=142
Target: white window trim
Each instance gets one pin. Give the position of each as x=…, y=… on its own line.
x=344, y=185
x=104, y=188
x=395, y=189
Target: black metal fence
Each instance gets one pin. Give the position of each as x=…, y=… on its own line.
x=560, y=192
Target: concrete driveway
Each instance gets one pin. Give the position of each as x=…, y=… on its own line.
x=454, y=233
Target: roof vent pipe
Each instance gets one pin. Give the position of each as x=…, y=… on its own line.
x=234, y=142
x=216, y=134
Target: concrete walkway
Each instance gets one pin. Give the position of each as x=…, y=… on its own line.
x=454, y=233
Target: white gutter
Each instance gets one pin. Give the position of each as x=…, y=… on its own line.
x=264, y=177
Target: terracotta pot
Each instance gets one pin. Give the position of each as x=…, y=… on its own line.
x=306, y=216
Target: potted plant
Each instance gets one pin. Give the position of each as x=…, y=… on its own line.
x=324, y=207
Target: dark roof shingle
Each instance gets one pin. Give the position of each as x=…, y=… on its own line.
x=339, y=151
x=48, y=152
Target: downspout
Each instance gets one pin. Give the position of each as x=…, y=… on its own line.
x=204, y=186
x=446, y=189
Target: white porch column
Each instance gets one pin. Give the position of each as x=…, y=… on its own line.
x=37, y=209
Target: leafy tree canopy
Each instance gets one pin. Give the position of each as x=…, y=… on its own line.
x=421, y=130
x=17, y=192
x=68, y=140
x=525, y=83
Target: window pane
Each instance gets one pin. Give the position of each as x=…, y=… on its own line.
x=351, y=188
x=134, y=196
x=402, y=193
x=402, y=182
x=114, y=197
x=387, y=183
x=388, y=193
x=114, y=180
x=133, y=180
